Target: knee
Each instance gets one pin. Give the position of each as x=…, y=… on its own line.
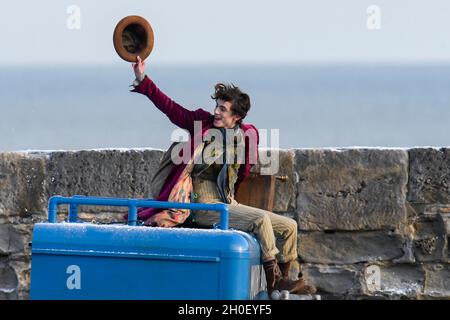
x=291, y=227
x=263, y=221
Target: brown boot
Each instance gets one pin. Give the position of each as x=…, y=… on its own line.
x=273, y=275
x=285, y=267
x=275, y=281
x=297, y=287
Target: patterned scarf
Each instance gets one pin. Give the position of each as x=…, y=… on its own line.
x=181, y=192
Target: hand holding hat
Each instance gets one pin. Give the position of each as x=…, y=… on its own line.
x=139, y=69
x=133, y=37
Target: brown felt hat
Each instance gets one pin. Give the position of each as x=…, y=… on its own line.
x=133, y=36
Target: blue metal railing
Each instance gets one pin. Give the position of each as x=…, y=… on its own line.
x=132, y=205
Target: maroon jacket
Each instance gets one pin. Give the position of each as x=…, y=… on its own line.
x=184, y=119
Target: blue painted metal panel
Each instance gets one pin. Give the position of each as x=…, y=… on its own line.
x=88, y=261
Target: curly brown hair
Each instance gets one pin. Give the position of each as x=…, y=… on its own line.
x=240, y=101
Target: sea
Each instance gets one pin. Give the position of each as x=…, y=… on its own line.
x=74, y=107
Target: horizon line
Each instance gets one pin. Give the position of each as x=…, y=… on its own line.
x=121, y=63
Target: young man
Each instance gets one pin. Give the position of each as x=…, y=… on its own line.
x=218, y=181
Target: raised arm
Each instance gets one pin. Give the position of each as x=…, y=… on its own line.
x=176, y=113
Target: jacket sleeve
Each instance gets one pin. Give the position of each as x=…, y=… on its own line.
x=177, y=114
x=251, y=157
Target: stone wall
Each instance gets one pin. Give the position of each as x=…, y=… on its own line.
x=373, y=223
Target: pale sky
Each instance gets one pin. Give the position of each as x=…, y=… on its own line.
x=229, y=32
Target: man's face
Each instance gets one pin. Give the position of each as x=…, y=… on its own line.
x=223, y=116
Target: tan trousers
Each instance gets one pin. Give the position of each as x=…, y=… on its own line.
x=276, y=234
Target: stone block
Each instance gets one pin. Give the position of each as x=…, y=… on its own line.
x=11, y=241
x=430, y=240
x=21, y=185
x=349, y=247
x=394, y=281
x=437, y=282
x=351, y=189
x=22, y=269
x=429, y=175
x=336, y=280
x=105, y=173
x=8, y=282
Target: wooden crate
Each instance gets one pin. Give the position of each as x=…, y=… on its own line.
x=257, y=191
